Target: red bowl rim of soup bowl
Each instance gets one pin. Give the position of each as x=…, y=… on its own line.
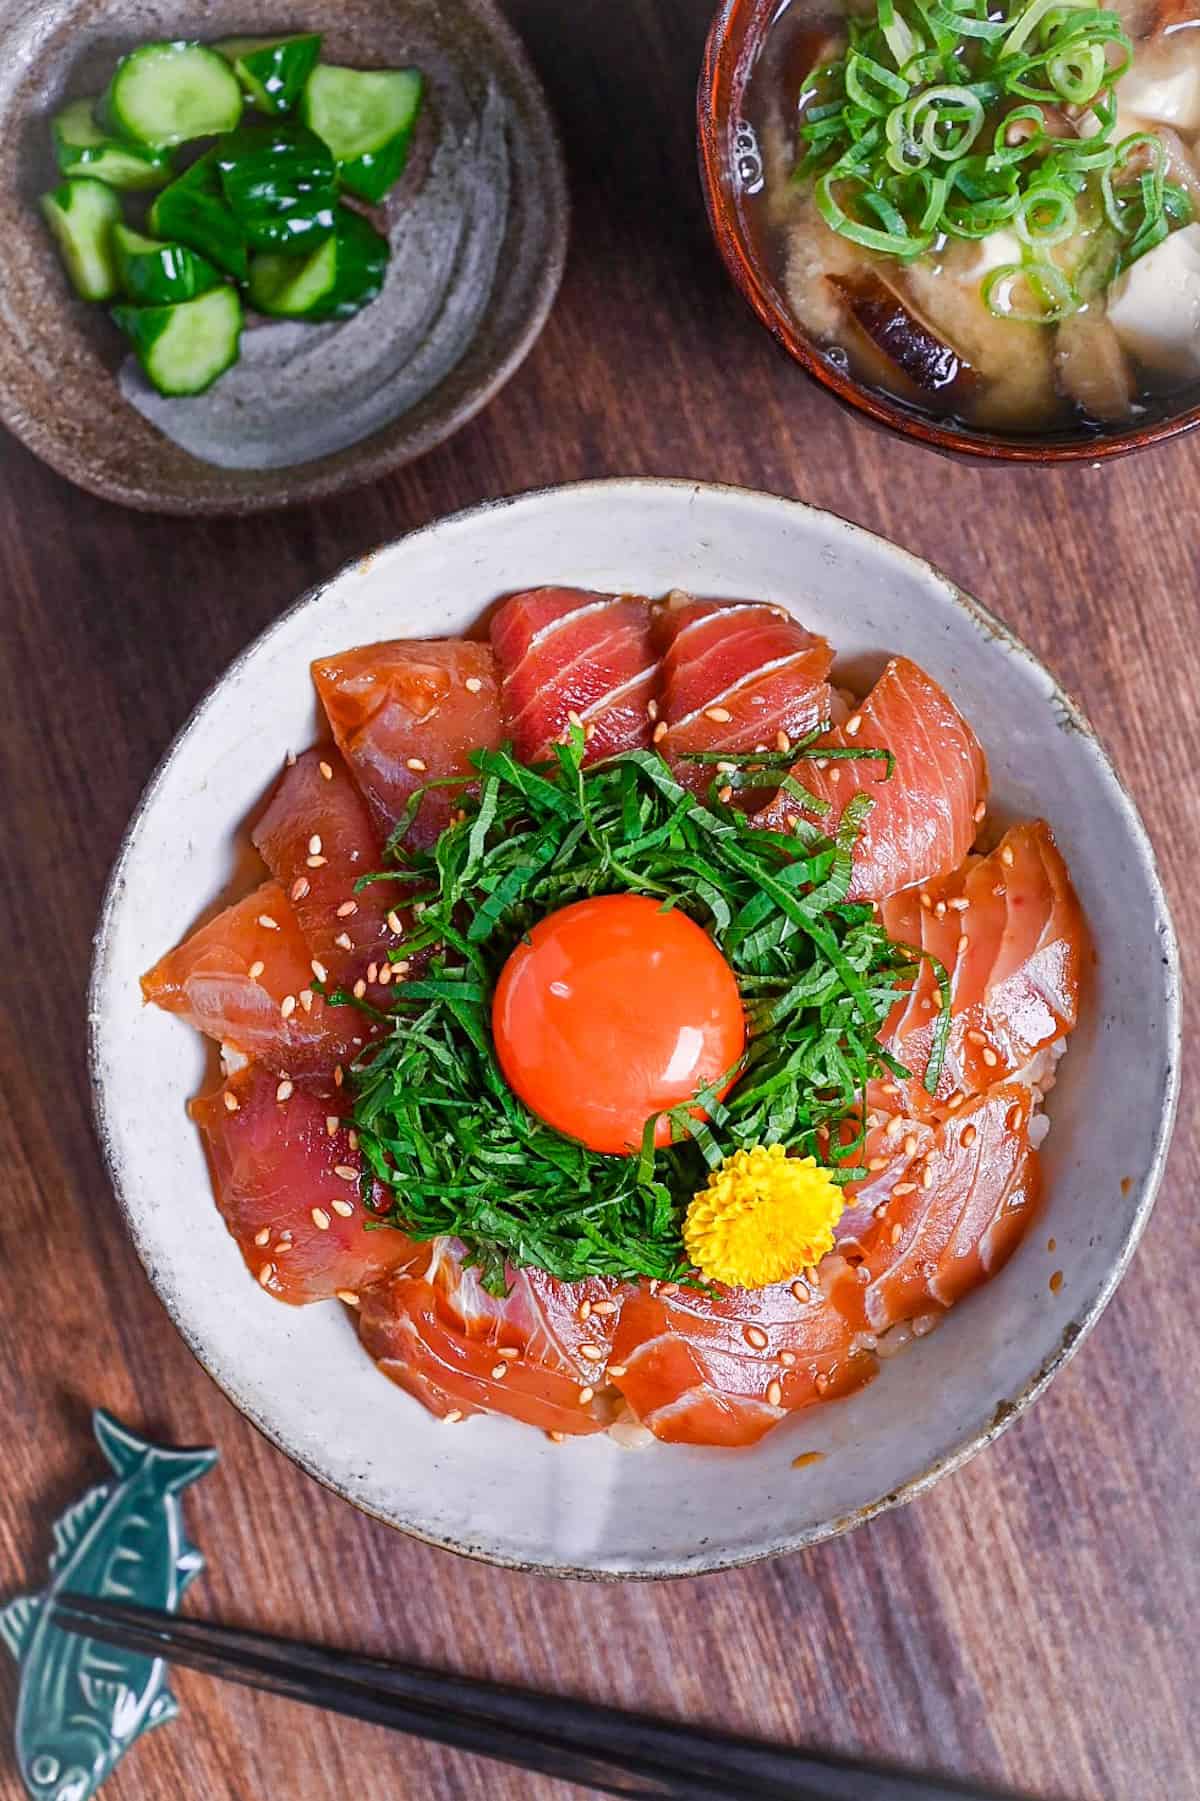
x=735, y=39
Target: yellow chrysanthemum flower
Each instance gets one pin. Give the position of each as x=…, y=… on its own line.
x=764, y=1216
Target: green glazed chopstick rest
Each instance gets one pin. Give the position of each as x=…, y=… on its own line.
x=83, y=1704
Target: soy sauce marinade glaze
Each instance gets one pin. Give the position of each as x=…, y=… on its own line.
x=989, y=209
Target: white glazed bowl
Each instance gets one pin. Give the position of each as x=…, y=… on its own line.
x=496, y=1489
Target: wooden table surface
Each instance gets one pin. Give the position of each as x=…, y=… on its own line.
x=1031, y=1621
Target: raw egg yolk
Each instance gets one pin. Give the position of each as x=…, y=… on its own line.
x=613, y=1010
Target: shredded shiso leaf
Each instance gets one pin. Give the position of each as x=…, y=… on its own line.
x=438, y=1125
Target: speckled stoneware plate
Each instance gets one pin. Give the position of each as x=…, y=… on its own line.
x=478, y=229
x=491, y=1487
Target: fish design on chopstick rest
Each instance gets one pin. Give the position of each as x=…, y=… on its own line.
x=83, y=1704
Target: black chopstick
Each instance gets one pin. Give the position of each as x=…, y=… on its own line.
x=602, y=1748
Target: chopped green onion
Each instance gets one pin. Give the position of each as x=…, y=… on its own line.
x=932, y=124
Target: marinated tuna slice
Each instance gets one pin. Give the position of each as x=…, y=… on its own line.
x=1010, y=933
x=564, y=651
x=407, y=713
x=948, y=1210
x=246, y=979
x=288, y=1188
x=722, y=1367
x=317, y=838
x=925, y=814
x=736, y=675
x=436, y=1331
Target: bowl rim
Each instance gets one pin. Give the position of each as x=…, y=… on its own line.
x=371, y=458
x=1004, y=1414
x=716, y=91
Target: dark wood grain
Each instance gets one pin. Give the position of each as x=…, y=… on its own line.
x=1031, y=1621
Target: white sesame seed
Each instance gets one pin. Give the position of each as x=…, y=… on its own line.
x=256, y=969
x=726, y=768
x=287, y=1005
x=584, y=1310
x=372, y=972
x=319, y=970
x=508, y=1352
x=499, y=1371
x=285, y=1090
x=800, y=1292
x=347, y=908
x=326, y=770
x=980, y=810
x=905, y=1188
x=616, y=1371
x=305, y=998
x=651, y=709
x=266, y=1275
x=591, y=1353
x=346, y=1171
x=604, y=1308
x=960, y=904
x=320, y=1219
x=263, y=1236
x=332, y=1123
x=854, y=725
x=788, y=1359
x=473, y=684
x=315, y=862
x=344, y=941
x=574, y=719
x=385, y=974
x=774, y=1394
x=989, y=1056
x=267, y=923
x=452, y=1418
x=585, y=1395
x=339, y=1075
x=231, y=1102
x=718, y=715
x=395, y=923
x=299, y=888
x=782, y=741
x=557, y=1438
x=725, y=794
x=416, y=764
x=755, y=1336
x=963, y=945
x=1006, y=855
x=359, y=989
x=660, y=731
x=969, y=1135
x=314, y=845
x=290, y=759
x=348, y=1295
x=402, y=968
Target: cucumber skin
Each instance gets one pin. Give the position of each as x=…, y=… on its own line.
x=362, y=264
x=370, y=176
x=286, y=62
x=133, y=167
x=280, y=185
x=145, y=325
x=161, y=274
x=110, y=112
x=193, y=210
x=56, y=208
